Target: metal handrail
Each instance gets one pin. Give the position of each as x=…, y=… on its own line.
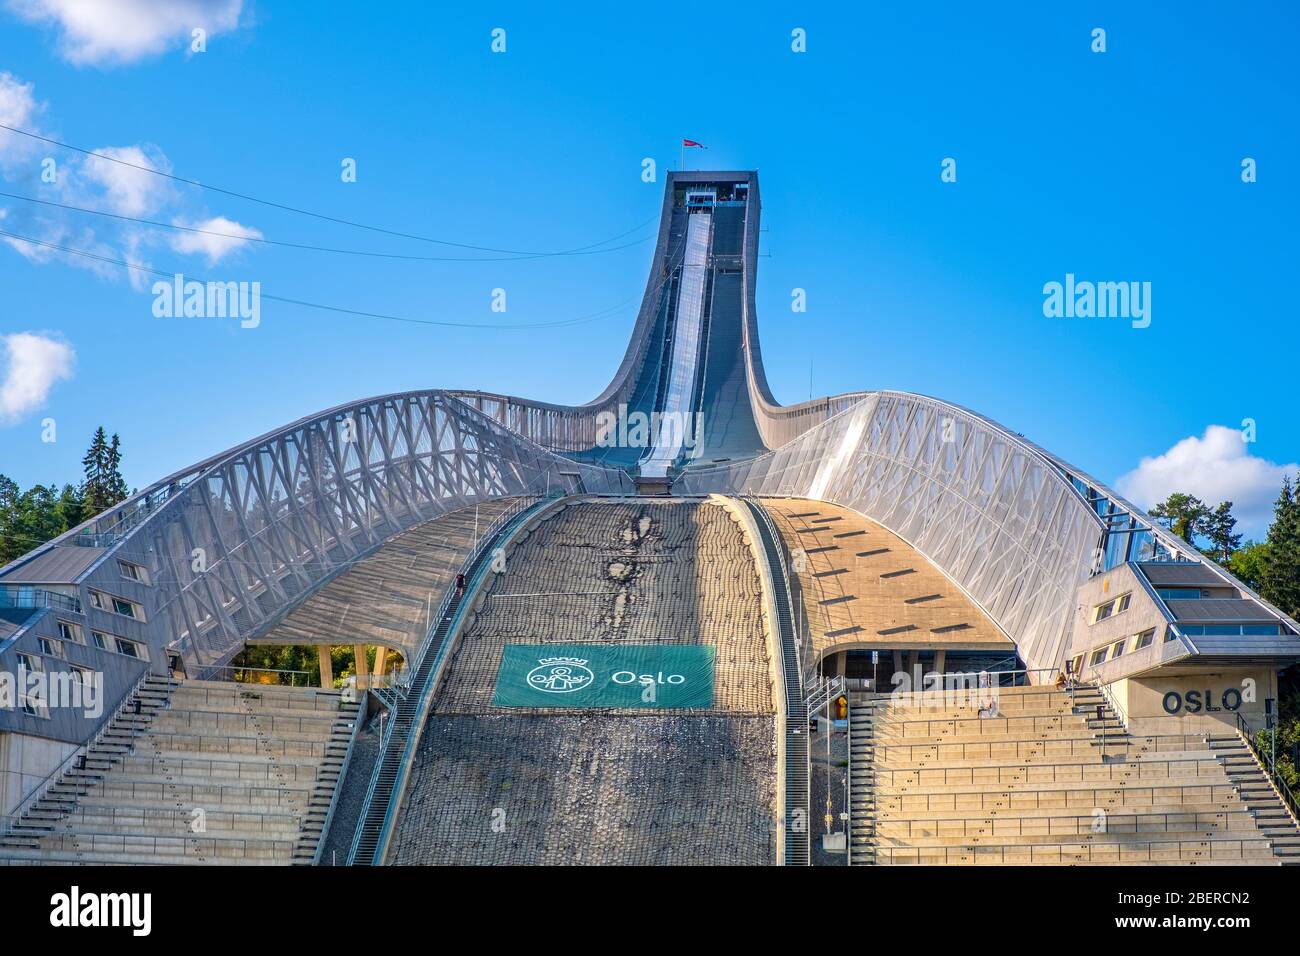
x=401, y=691
x=1206, y=819
x=792, y=676
x=1079, y=746
x=54, y=775
x=244, y=769
x=307, y=704
x=1120, y=713
x=497, y=527
x=116, y=842
x=1113, y=852
x=336, y=791
x=986, y=680
x=25, y=597
x=143, y=816
x=779, y=546
x=1268, y=763
x=1211, y=768
x=1224, y=791
x=848, y=793
x=210, y=672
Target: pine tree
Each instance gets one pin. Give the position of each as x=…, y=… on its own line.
x=95, y=493
x=1281, y=577
x=1217, y=527
x=115, y=483
x=71, y=507
x=1184, y=515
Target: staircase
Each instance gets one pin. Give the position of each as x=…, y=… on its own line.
x=196, y=773
x=1046, y=781
x=393, y=745
x=797, y=765
x=1256, y=791
x=386, y=780
x=862, y=791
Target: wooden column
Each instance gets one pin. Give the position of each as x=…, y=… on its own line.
x=326, y=666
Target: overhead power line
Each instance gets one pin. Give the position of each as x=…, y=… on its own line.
x=286, y=207
x=320, y=305
x=587, y=251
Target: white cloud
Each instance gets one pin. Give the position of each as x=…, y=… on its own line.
x=18, y=108
x=17, y=104
x=98, y=32
x=123, y=188
x=34, y=364
x=1215, y=467
x=212, y=247
x=129, y=190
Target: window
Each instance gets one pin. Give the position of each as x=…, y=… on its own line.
x=1098, y=657
x=1111, y=608
x=28, y=663
x=1076, y=665
x=1144, y=639
x=108, y=602
x=80, y=675
x=1197, y=630
x=99, y=640
x=69, y=632
x=129, y=648
x=1116, y=649
x=1179, y=594
x=47, y=647
x=133, y=572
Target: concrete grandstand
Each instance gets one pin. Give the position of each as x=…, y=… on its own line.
x=617, y=633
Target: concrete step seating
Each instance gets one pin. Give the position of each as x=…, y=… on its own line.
x=196, y=773
x=936, y=783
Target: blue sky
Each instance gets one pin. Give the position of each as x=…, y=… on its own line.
x=1115, y=166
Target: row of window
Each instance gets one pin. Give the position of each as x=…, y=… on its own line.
x=133, y=572
x=1200, y=630
x=116, y=605
x=33, y=706
x=1111, y=651
x=1110, y=608
x=71, y=632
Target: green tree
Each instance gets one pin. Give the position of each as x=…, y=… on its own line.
x=117, y=490
x=71, y=507
x=1247, y=564
x=30, y=518
x=1280, y=582
x=95, y=490
x=11, y=546
x=104, y=485
x=1184, y=515
x=1217, y=527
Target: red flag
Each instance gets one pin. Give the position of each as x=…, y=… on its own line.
x=691, y=142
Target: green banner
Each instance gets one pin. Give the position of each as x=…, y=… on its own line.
x=605, y=675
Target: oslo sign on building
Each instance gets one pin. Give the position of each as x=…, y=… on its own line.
x=605, y=675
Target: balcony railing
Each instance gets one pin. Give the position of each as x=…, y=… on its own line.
x=26, y=598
